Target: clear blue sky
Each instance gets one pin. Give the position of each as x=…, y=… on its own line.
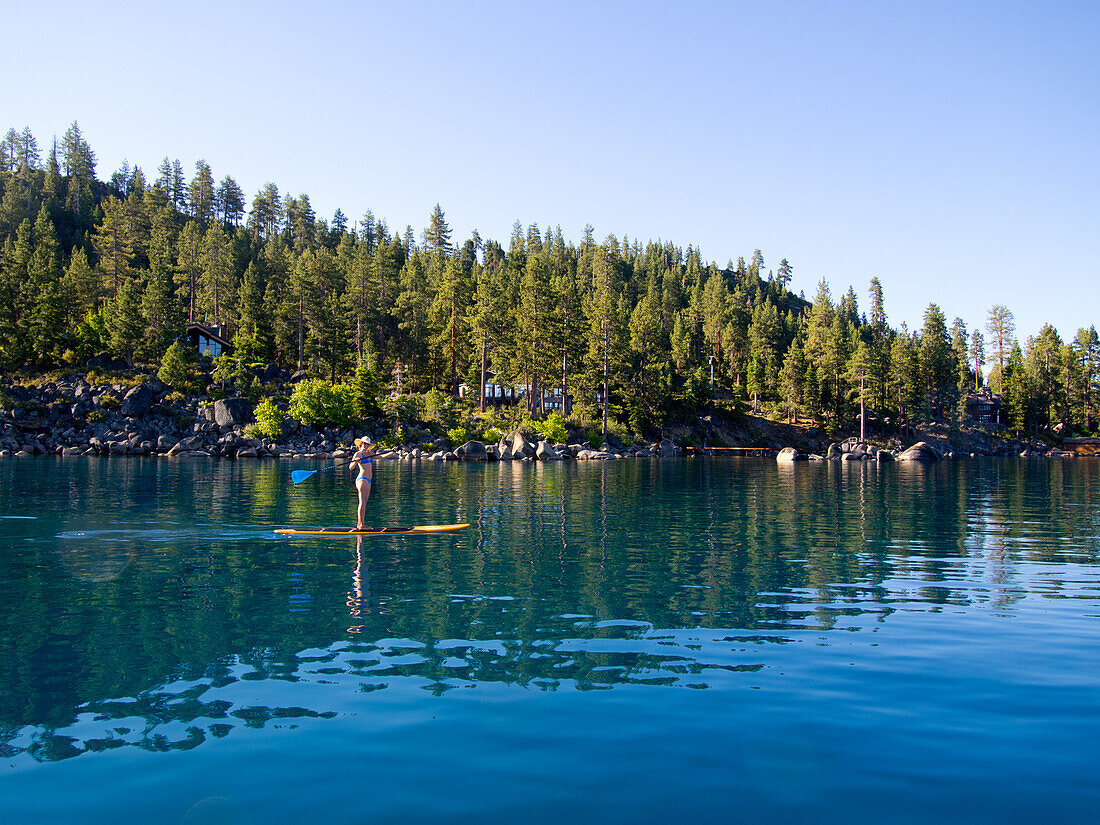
x=950, y=148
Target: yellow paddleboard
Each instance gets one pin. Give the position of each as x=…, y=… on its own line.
x=344, y=532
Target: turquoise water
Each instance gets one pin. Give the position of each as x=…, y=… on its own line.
x=705, y=640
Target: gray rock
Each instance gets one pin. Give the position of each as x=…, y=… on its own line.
x=545, y=451
x=834, y=452
x=668, y=448
x=788, y=455
x=921, y=451
x=232, y=412
x=521, y=446
x=472, y=451
x=884, y=455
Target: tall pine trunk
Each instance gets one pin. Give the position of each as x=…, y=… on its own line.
x=484, y=350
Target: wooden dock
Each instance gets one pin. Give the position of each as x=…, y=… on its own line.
x=1082, y=446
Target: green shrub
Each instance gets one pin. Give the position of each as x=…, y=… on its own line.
x=175, y=368
x=365, y=387
x=269, y=419
x=396, y=438
x=107, y=401
x=317, y=403
x=492, y=435
x=457, y=435
x=402, y=407
x=96, y=417
x=553, y=429
x=439, y=407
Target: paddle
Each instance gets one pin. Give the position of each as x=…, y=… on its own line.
x=298, y=476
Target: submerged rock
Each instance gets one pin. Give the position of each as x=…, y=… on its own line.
x=473, y=451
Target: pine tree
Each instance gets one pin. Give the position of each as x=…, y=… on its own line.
x=437, y=237
x=1001, y=327
x=78, y=159
x=449, y=315
x=937, y=369
x=47, y=296
x=202, y=193
x=125, y=325
x=905, y=376
x=649, y=356
x=792, y=377
x=215, y=287
x=1086, y=351
x=229, y=202
x=977, y=356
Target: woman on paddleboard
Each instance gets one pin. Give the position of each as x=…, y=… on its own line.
x=363, y=463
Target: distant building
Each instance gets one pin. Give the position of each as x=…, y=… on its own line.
x=209, y=339
x=983, y=407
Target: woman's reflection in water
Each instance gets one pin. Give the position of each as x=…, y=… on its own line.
x=360, y=588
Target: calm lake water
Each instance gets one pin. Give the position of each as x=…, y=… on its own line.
x=705, y=640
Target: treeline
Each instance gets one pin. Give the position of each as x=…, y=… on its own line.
x=616, y=328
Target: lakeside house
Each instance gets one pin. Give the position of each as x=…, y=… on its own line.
x=983, y=407
x=209, y=339
x=498, y=394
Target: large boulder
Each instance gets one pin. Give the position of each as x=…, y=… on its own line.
x=834, y=452
x=472, y=451
x=232, y=412
x=545, y=451
x=921, y=451
x=521, y=446
x=137, y=402
x=788, y=455
x=667, y=448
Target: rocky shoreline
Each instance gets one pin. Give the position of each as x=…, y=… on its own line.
x=78, y=417
x=81, y=418
x=853, y=449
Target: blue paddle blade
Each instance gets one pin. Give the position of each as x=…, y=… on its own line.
x=301, y=475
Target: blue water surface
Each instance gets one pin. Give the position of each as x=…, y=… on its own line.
x=709, y=640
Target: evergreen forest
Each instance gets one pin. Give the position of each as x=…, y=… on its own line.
x=612, y=328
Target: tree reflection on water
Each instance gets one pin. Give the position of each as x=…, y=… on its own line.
x=135, y=614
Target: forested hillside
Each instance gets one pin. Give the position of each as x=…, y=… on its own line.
x=121, y=266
